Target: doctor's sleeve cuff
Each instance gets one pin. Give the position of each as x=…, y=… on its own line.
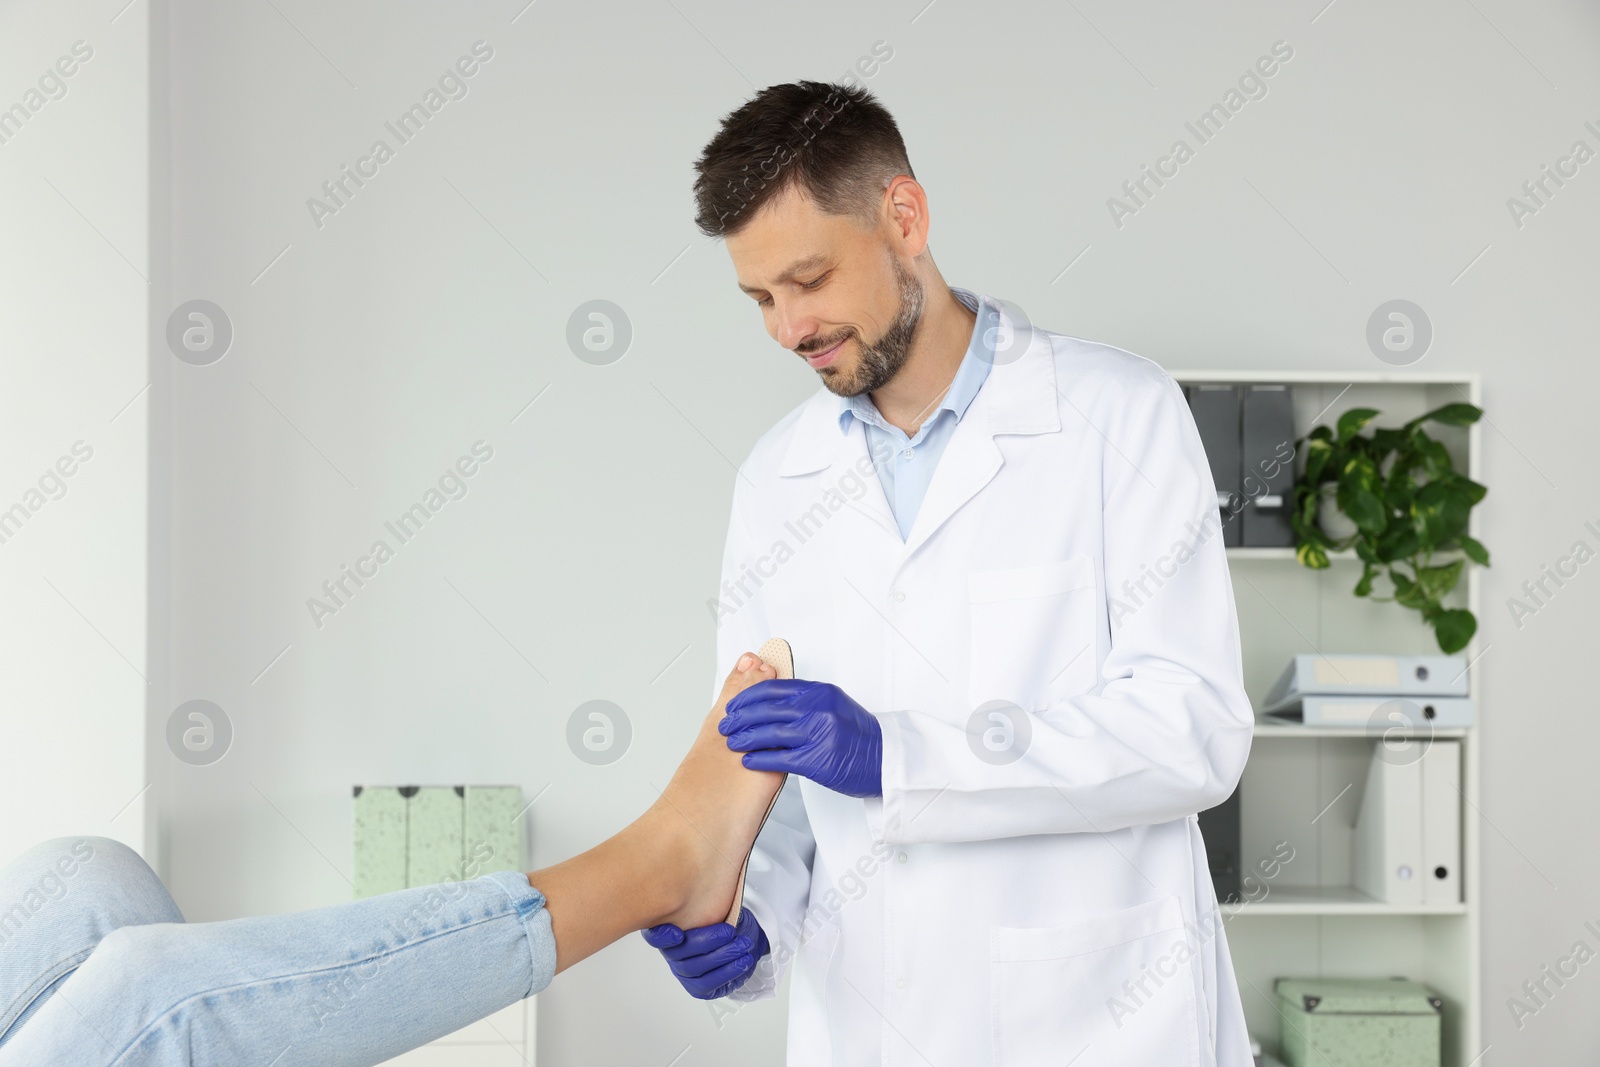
x=905, y=753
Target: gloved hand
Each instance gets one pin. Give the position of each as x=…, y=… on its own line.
x=711, y=961
x=807, y=728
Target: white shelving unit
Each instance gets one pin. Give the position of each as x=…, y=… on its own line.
x=1304, y=785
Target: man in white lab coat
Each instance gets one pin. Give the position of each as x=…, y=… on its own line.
x=996, y=554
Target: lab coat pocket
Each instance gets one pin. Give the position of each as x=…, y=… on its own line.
x=1033, y=633
x=1112, y=989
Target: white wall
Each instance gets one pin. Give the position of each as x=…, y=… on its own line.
x=373, y=351
x=74, y=265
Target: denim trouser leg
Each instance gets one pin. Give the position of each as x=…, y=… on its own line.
x=348, y=985
x=57, y=901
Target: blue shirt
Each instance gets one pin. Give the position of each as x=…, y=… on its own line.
x=909, y=469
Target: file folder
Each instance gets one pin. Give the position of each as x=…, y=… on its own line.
x=1310, y=672
x=1266, y=417
x=1441, y=823
x=1407, y=846
x=1216, y=415
x=1387, y=858
x=1378, y=712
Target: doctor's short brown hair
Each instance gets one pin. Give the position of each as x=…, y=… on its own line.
x=834, y=142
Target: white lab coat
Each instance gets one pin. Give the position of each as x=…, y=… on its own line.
x=982, y=912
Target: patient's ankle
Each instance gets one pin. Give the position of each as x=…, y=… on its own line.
x=668, y=859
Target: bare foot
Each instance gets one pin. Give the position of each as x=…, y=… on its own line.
x=678, y=862
x=717, y=806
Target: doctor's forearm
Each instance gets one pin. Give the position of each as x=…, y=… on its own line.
x=1079, y=779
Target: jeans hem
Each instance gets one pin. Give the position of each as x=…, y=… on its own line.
x=529, y=904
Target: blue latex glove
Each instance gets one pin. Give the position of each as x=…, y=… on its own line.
x=807, y=728
x=711, y=961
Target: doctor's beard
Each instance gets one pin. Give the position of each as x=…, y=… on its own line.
x=882, y=360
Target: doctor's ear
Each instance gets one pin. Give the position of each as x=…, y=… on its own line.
x=907, y=204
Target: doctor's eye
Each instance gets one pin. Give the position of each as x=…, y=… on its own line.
x=814, y=284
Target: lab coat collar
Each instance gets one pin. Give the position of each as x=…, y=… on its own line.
x=1018, y=396
x=970, y=374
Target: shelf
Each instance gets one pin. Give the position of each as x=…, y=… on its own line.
x=1273, y=729
x=1331, y=900
x=1246, y=552
x=1318, y=377
x=1280, y=553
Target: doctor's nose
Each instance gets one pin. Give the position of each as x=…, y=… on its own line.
x=792, y=329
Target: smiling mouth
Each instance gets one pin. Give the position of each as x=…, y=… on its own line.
x=821, y=359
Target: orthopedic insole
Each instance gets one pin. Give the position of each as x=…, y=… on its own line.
x=780, y=657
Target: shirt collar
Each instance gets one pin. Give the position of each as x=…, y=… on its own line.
x=974, y=368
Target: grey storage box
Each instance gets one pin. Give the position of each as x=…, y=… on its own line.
x=1357, y=1022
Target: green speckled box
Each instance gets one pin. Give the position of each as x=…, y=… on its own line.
x=380, y=840
x=1357, y=1022
x=433, y=843
x=493, y=839
x=407, y=836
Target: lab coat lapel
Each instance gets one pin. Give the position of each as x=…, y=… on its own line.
x=854, y=455
x=1018, y=396
x=818, y=444
x=970, y=460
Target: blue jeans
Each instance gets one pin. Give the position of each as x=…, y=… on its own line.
x=98, y=968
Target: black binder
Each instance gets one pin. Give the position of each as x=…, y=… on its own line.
x=1267, y=418
x=1216, y=415
x=1219, y=827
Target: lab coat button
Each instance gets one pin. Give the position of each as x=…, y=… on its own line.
x=899, y=983
x=903, y=857
x=899, y=596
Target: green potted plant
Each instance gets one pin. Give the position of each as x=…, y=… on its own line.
x=1403, y=501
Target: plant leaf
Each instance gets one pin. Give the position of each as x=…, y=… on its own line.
x=1385, y=441
x=1364, y=586
x=1366, y=510
x=1435, y=457
x=1316, y=460
x=1474, y=550
x=1351, y=422
x=1454, y=628
x=1398, y=491
x=1398, y=542
x=1439, y=512
x=1312, y=556
x=1437, y=581
x=1451, y=415
x=1358, y=497
x=1408, y=593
